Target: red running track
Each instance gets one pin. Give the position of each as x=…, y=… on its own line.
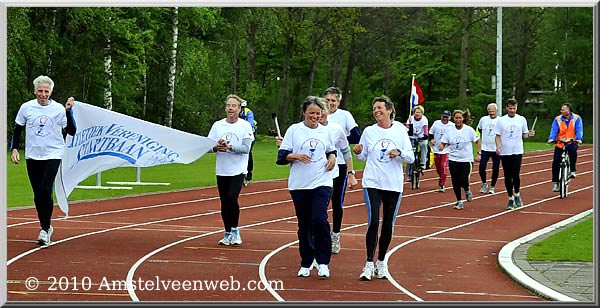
x=162, y=247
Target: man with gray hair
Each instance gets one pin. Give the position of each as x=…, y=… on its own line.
x=486, y=148
x=43, y=120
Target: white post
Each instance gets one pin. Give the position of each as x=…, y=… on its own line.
x=499, y=62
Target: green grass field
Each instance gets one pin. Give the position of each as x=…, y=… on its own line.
x=201, y=173
x=571, y=244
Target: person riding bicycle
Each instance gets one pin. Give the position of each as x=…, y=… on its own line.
x=567, y=125
x=418, y=131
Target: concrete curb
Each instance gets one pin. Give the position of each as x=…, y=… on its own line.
x=506, y=261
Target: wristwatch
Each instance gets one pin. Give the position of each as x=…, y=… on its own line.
x=352, y=171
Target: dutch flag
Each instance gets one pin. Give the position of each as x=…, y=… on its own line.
x=416, y=95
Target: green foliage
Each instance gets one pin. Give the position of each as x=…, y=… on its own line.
x=215, y=46
x=575, y=243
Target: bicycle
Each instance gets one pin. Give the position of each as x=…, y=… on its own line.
x=564, y=175
x=415, y=169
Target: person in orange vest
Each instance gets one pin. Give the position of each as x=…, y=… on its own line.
x=567, y=125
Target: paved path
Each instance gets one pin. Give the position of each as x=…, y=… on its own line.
x=561, y=281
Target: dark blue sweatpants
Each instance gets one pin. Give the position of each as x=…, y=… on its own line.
x=313, y=227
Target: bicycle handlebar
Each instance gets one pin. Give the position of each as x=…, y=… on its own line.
x=564, y=140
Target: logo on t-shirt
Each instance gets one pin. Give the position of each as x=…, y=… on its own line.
x=490, y=130
x=512, y=132
x=42, y=122
x=384, y=146
x=230, y=138
x=316, y=149
x=458, y=143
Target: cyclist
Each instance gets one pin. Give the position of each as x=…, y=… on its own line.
x=567, y=125
x=418, y=131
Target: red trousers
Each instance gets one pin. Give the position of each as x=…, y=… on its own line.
x=441, y=166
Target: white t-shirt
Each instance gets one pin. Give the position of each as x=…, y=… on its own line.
x=418, y=126
x=438, y=130
x=43, y=129
x=314, y=142
x=339, y=140
x=381, y=171
x=230, y=163
x=343, y=118
x=460, y=143
x=511, y=130
x=487, y=127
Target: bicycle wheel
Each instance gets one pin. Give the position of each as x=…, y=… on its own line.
x=564, y=179
x=415, y=171
x=417, y=178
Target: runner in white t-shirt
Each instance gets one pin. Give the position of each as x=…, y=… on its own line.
x=440, y=158
x=486, y=148
x=345, y=120
x=384, y=146
x=43, y=120
x=234, y=138
x=459, y=139
x=308, y=148
x=510, y=131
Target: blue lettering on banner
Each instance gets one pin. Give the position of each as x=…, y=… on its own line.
x=118, y=141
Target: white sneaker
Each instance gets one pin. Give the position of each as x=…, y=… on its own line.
x=573, y=175
x=492, y=190
x=555, y=187
x=304, y=272
x=469, y=195
x=236, y=238
x=43, y=238
x=368, y=271
x=381, y=270
x=323, y=271
x=484, y=188
x=314, y=265
x=335, y=242
x=226, y=239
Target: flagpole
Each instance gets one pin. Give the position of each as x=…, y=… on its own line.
x=410, y=107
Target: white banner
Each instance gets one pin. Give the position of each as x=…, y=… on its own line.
x=106, y=139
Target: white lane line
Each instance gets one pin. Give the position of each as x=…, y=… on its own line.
x=134, y=267
x=394, y=249
x=480, y=293
x=28, y=252
x=35, y=221
x=278, y=297
x=70, y=218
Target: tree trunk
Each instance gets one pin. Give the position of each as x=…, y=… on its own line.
x=144, y=86
x=108, y=69
x=349, y=71
x=283, y=108
x=251, y=49
x=51, y=51
x=234, y=66
x=464, y=58
x=172, y=70
x=311, y=73
x=336, y=68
